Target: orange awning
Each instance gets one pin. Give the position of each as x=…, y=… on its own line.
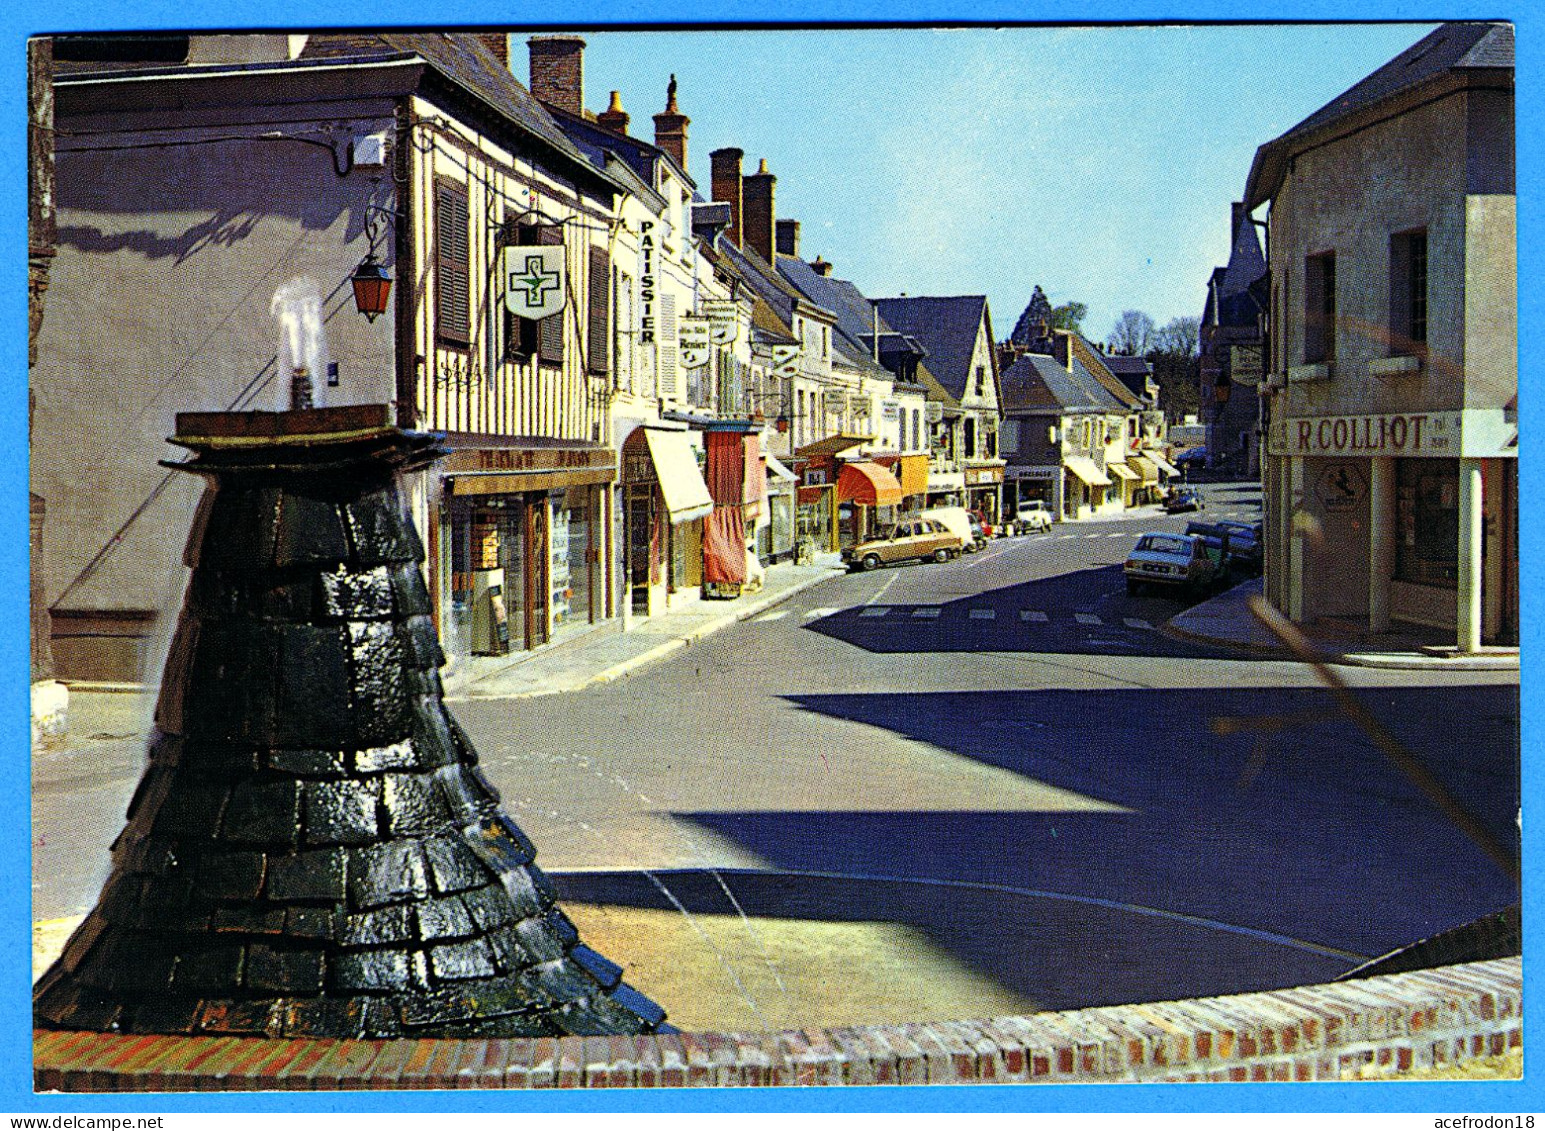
x=869, y=484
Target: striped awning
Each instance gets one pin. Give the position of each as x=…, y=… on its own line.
x=1085, y=469
x=1144, y=467
x=868, y=483
x=681, y=482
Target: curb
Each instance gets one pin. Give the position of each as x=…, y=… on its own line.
x=1386, y=661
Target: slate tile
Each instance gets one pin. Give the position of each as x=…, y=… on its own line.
x=308, y=763
x=371, y=970
x=493, y=998
x=194, y=813
x=562, y=926
x=314, y=689
x=340, y=812
x=174, y=675
x=241, y=527
x=521, y=890
x=443, y=919
x=633, y=1001
x=498, y=842
x=211, y=971
x=409, y=591
x=539, y=940
x=508, y=952
x=248, y=919
x=381, y=709
x=413, y=804
x=241, y=1018
x=151, y=790
x=453, y=865
x=380, y=529
x=596, y=1016
x=420, y=643
x=231, y=875
x=395, y=756
x=284, y=970
x=601, y=968
x=166, y=1015
x=431, y=733
x=393, y=872
x=220, y=761
x=308, y=923
x=317, y=875
x=324, y=1017
x=265, y=813
x=309, y=530
x=489, y=907
x=356, y=594
x=562, y=980
x=376, y=928
x=462, y=960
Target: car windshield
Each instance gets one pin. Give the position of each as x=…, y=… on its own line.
x=1164, y=544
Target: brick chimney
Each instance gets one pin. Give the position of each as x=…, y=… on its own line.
x=759, y=222
x=670, y=127
x=726, y=187
x=558, y=71
x=614, y=118
x=821, y=267
x=788, y=238
x=499, y=43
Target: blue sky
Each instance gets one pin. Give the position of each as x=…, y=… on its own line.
x=1097, y=162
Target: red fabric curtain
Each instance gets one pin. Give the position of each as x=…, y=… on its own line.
x=724, y=546
x=755, y=474
x=726, y=468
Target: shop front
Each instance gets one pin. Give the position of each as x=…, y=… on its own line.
x=664, y=503
x=737, y=484
x=1024, y=484
x=1128, y=483
x=911, y=471
x=1147, y=489
x=1085, y=487
x=522, y=536
x=867, y=498
x=984, y=491
x=775, y=529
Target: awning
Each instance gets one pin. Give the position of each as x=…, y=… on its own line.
x=913, y=475
x=869, y=484
x=776, y=469
x=1123, y=472
x=1160, y=462
x=1144, y=467
x=831, y=445
x=686, y=495
x=1083, y=467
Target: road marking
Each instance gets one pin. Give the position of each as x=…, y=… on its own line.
x=772, y=616
x=1032, y=615
x=926, y=611
x=984, y=614
x=1067, y=537
x=1087, y=618
x=1119, y=534
x=883, y=589
x=875, y=611
x=821, y=612
x=1136, y=622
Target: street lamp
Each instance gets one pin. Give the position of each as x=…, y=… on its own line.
x=372, y=287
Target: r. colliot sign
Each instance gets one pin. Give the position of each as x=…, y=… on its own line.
x=1396, y=434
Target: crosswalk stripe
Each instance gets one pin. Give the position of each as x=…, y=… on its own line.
x=1032, y=615
x=822, y=612
x=1136, y=622
x=772, y=616
x=929, y=611
x=984, y=614
x=1087, y=618
x=875, y=611
x=1067, y=537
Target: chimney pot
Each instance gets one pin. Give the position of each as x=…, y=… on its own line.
x=821, y=267
x=725, y=184
x=670, y=127
x=558, y=71
x=614, y=118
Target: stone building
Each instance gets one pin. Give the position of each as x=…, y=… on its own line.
x=1391, y=478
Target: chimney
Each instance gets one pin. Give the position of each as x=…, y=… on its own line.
x=614, y=118
x=1239, y=218
x=670, y=127
x=725, y=184
x=558, y=71
x=821, y=267
x=757, y=198
x=499, y=43
x=788, y=238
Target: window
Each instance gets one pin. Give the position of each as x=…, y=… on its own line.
x=453, y=265
x=1320, y=308
x=981, y=380
x=1427, y=522
x=598, y=359
x=1408, y=292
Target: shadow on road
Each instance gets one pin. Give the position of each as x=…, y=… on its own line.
x=1292, y=830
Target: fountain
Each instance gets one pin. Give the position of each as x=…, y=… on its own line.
x=313, y=850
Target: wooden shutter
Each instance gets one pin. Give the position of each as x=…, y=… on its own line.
x=667, y=349
x=453, y=264
x=520, y=334
x=600, y=330
x=551, y=328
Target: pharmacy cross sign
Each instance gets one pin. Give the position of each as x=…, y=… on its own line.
x=535, y=281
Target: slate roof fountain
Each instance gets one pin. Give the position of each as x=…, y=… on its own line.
x=313, y=850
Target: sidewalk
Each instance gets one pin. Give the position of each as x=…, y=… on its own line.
x=1226, y=620
x=605, y=656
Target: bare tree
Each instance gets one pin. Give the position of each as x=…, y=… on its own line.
x=1132, y=334
x=1180, y=337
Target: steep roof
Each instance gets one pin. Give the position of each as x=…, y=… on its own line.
x=855, y=313
x=1453, y=48
x=947, y=327
x=1037, y=383
x=640, y=155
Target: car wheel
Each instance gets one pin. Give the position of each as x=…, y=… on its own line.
x=1133, y=587
x=941, y=555
x=871, y=561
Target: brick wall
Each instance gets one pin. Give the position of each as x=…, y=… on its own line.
x=1330, y=1032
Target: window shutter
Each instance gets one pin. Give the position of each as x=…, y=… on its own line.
x=599, y=360
x=453, y=265
x=669, y=388
x=551, y=328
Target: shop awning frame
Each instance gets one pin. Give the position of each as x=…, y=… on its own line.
x=1161, y=463
x=1123, y=472
x=681, y=480
x=1085, y=469
x=868, y=484
x=1144, y=467
x=776, y=468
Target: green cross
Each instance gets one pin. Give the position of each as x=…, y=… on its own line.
x=535, y=281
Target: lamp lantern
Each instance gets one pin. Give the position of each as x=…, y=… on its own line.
x=372, y=287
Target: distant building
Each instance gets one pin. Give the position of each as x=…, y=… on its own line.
x=1391, y=477
x=1232, y=360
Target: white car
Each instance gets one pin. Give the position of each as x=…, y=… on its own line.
x=1033, y=515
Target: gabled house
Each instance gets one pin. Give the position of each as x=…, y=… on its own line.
x=195, y=189
x=961, y=373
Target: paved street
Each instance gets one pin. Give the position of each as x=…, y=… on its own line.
x=1003, y=759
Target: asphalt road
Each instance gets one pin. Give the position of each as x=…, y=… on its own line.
x=1003, y=755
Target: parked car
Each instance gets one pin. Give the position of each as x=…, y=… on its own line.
x=1173, y=560
x=1182, y=499
x=913, y=538
x=1244, y=543
x=1232, y=543
x=1033, y=514
x=958, y=521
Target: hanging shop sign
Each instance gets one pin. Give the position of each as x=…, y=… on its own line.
x=535, y=280
x=723, y=319
x=785, y=361
x=890, y=410
x=1395, y=434
x=696, y=341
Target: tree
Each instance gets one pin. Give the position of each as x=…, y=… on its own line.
x=1177, y=366
x=1179, y=337
x=1132, y=334
x=1069, y=316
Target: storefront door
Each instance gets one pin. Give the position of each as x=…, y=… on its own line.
x=538, y=571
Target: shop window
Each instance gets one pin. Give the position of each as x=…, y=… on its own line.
x=1408, y=292
x=453, y=265
x=1427, y=522
x=1320, y=308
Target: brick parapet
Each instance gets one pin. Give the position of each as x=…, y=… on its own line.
x=1337, y=1031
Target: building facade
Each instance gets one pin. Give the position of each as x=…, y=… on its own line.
x=1391, y=478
